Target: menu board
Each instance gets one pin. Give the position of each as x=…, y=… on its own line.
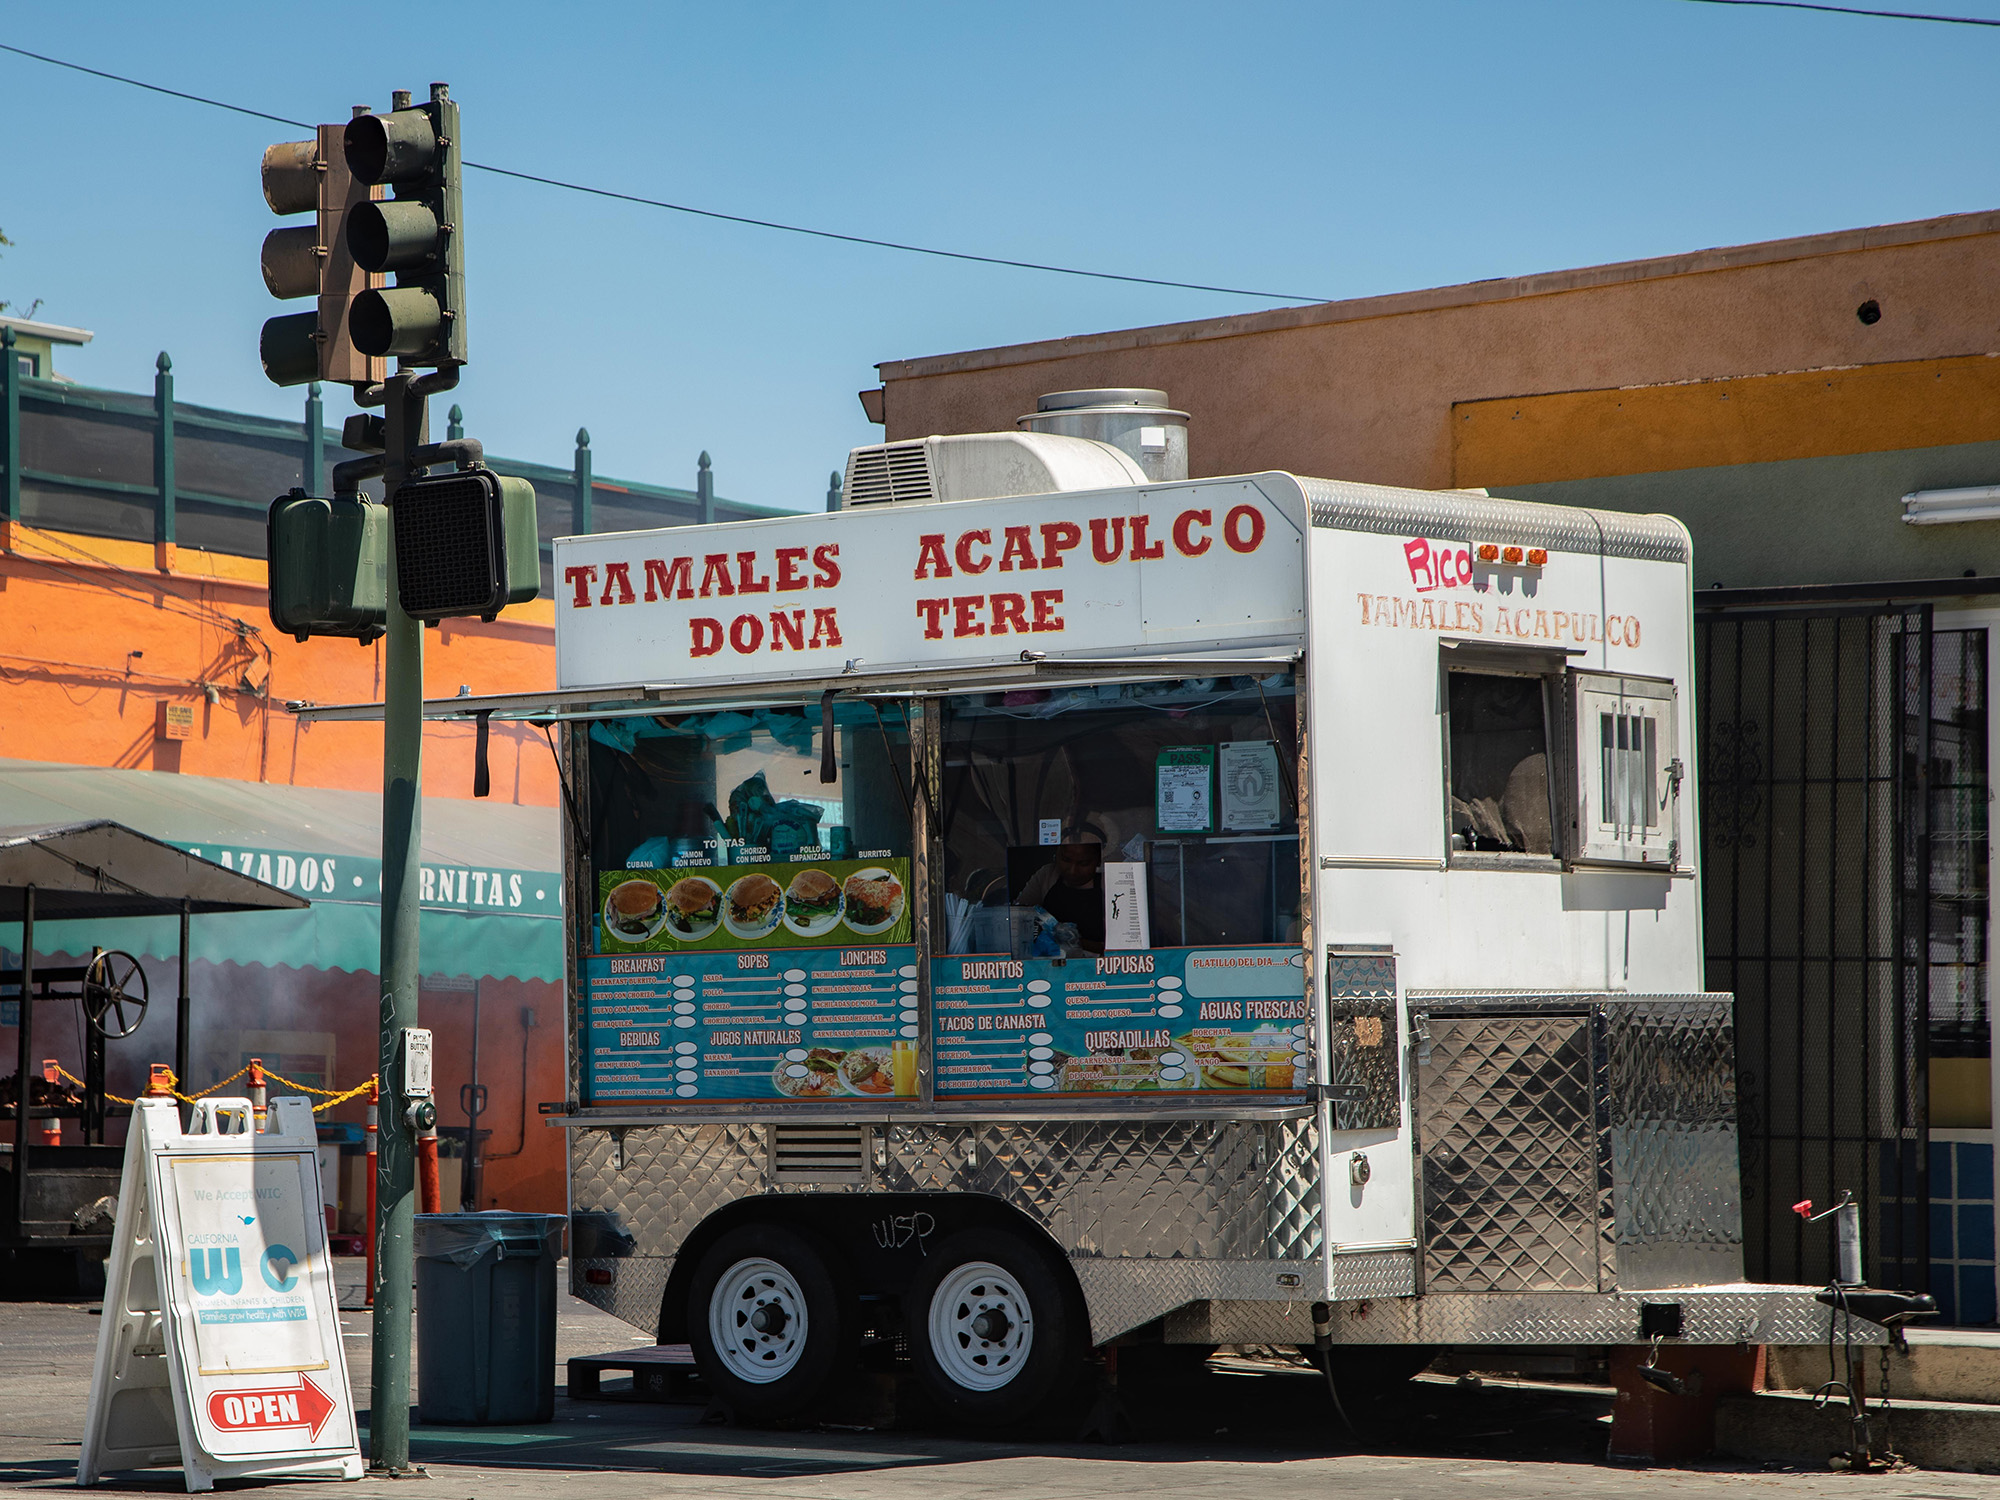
x=719, y=908
x=811, y=1023
x=1172, y=1020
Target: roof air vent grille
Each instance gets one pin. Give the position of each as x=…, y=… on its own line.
x=888, y=474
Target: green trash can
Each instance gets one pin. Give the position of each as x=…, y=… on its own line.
x=486, y=1317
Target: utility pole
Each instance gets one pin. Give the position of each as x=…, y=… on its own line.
x=402, y=842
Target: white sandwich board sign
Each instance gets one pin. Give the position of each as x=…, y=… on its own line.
x=220, y=1347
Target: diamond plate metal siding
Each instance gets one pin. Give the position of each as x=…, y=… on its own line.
x=1379, y=508
x=1510, y=1146
x=1676, y=1202
x=1154, y=1188
x=1361, y=1039
x=1741, y=1314
x=671, y=1179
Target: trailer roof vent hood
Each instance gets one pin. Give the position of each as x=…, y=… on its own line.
x=1136, y=421
x=982, y=466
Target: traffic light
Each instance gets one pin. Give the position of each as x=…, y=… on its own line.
x=466, y=544
x=329, y=566
x=418, y=235
x=312, y=260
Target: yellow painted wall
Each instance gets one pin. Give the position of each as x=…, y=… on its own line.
x=1712, y=423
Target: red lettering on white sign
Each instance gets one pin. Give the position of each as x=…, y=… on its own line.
x=1184, y=538
x=1250, y=522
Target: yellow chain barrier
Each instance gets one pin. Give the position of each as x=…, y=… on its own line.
x=82, y=1085
x=330, y=1097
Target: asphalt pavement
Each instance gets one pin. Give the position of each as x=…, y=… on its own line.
x=1205, y=1435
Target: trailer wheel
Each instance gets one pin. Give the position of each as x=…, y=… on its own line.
x=990, y=1328
x=770, y=1318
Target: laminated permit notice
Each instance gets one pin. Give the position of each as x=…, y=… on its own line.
x=1186, y=789
x=1250, y=787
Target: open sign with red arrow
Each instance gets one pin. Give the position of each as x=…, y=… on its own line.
x=263, y=1408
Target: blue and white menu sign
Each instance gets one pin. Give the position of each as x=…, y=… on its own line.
x=800, y=1023
x=1170, y=1020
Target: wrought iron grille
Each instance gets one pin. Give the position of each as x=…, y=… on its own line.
x=1960, y=1021
x=1816, y=736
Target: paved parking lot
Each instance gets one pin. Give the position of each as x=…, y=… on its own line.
x=1257, y=1437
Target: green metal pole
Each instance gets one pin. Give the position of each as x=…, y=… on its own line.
x=10, y=431
x=165, y=531
x=402, y=835
x=315, y=474
x=704, y=489
x=833, y=490
x=454, y=422
x=583, y=510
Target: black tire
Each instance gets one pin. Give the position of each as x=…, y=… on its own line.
x=809, y=1278
x=1027, y=1360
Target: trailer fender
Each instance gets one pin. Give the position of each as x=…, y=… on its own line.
x=884, y=1237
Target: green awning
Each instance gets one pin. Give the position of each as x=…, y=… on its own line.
x=491, y=898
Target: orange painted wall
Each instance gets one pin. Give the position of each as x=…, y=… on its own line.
x=94, y=640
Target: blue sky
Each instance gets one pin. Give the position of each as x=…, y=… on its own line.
x=1334, y=150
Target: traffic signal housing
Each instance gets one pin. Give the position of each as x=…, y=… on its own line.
x=312, y=260
x=466, y=544
x=417, y=235
x=329, y=566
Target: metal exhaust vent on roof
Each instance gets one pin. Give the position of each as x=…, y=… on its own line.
x=812, y=1152
x=982, y=466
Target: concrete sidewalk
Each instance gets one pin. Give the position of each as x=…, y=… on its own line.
x=1251, y=1437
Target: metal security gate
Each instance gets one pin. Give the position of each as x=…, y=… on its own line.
x=1815, y=736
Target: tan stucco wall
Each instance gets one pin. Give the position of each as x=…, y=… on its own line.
x=1365, y=389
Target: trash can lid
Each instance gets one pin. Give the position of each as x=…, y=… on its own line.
x=466, y=1238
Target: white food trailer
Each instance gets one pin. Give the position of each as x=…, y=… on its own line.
x=1044, y=904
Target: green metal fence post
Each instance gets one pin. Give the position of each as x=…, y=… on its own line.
x=315, y=439
x=704, y=489
x=10, y=436
x=833, y=490
x=583, y=509
x=454, y=423
x=164, y=528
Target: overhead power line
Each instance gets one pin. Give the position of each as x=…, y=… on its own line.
x=1854, y=10
x=685, y=208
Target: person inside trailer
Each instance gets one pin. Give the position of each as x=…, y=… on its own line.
x=1070, y=888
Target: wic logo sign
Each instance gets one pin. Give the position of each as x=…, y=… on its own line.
x=218, y=1272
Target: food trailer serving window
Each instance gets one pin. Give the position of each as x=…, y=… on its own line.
x=1502, y=708
x=1121, y=890
x=750, y=935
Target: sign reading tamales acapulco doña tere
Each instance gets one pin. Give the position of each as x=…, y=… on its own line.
x=220, y=1347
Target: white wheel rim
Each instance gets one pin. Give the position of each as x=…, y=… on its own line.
x=982, y=1328
x=753, y=1291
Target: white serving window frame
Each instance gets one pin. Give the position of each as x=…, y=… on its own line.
x=1624, y=794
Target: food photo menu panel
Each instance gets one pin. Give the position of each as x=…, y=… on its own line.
x=1170, y=1020
x=758, y=981
x=725, y=907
